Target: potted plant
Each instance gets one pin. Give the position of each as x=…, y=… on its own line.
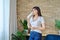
x=21, y=35
x=18, y=36
x=57, y=24
x=24, y=24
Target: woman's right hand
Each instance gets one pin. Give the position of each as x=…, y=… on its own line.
x=29, y=30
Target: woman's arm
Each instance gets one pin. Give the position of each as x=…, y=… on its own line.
x=28, y=19
x=29, y=25
x=42, y=27
x=42, y=24
x=29, y=16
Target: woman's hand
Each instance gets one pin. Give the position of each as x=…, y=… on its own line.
x=29, y=30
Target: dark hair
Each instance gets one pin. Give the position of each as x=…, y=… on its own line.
x=38, y=9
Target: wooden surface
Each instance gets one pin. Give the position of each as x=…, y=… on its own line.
x=42, y=34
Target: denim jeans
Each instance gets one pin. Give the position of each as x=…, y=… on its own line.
x=35, y=36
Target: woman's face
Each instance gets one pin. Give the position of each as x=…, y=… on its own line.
x=34, y=11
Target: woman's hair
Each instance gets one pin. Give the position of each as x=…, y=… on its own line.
x=38, y=9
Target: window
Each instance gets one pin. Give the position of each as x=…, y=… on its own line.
x=4, y=19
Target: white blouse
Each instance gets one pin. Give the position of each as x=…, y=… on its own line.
x=37, y=23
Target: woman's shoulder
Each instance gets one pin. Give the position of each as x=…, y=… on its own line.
x=41, y=17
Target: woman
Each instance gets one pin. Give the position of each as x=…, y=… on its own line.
x=36, y=24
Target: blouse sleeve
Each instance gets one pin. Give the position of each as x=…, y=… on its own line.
x=42, y=20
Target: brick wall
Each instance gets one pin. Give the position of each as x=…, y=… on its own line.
x=50, y=10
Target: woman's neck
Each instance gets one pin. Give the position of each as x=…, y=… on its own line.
x=36, y=16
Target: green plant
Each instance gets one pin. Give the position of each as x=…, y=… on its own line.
x=57, y=24
x=24, y=23
x=18, y=36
